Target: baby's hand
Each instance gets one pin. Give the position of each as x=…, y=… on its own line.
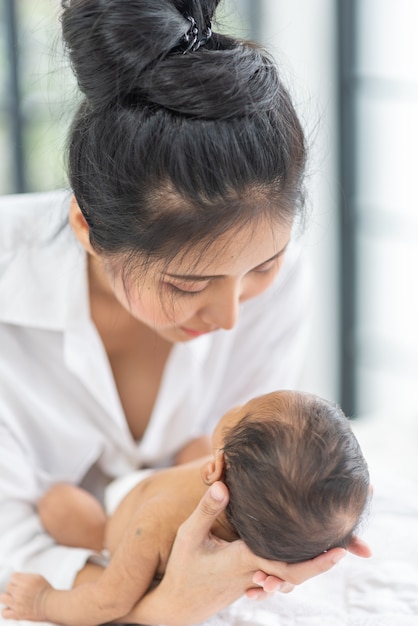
x=25, y=597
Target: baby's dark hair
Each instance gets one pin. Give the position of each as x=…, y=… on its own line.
x=171, y=149
x=298, y=481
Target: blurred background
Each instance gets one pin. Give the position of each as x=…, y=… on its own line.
x=352, y=67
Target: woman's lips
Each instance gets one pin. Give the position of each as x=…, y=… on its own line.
x=195, y=333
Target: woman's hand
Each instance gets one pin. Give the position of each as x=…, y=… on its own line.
x=205, y=574
x=359, y=548
x=268, y=584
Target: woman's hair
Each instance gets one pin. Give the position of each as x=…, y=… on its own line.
x=297, y=478
x=173, y=146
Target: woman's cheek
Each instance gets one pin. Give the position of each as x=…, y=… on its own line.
x=257, y=284
x=165, y=311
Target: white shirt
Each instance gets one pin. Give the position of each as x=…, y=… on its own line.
x=60, y=415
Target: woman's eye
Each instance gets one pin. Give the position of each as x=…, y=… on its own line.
x=265, y=267
x=187, y=289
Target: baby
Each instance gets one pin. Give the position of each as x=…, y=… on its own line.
x=298, y=486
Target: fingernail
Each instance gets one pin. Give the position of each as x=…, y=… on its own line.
x=217, y=492
x=338, y=557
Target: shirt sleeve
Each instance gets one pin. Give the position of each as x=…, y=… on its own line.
x=24, y=546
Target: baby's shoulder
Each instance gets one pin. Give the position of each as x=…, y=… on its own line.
x=173, y=494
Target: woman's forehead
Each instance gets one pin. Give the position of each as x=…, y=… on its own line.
x=237, y=250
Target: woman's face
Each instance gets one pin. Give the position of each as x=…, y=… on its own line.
x=201, y=292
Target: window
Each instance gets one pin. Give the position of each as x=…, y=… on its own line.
x=37, y=96
x=380, y=223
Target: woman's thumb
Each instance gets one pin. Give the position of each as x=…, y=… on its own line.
x=210, y=506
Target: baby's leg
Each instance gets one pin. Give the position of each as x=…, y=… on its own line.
x=73, y=517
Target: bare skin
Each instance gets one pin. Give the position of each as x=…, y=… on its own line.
x=137, y=357
x=139, y=537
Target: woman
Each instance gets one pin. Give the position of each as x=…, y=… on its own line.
x=174, y=293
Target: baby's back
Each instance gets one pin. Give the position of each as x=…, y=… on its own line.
x=169, y=496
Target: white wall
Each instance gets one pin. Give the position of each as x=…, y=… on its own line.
x=302, y=34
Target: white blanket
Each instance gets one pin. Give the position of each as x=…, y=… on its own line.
x=380, y=591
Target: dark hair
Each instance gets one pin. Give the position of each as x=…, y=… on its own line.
x=297, y=478
x=170, y=149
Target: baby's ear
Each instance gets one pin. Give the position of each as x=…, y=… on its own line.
x=213, y=470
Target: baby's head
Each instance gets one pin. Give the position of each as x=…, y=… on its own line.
x=297, y=478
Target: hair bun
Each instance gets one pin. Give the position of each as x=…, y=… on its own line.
x=130, y=52
x=235, y=81
x=111, y=42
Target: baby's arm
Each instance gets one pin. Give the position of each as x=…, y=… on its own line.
x=194, y=449
x=114, y=593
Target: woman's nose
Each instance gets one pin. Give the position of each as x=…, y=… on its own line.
x=223, y=310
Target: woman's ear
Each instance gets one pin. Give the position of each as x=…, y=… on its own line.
x=80, y=227
x=213, y=470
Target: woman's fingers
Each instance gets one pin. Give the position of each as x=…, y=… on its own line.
x=297, y=573
x=266, y=586
x=284, y=576
x=359, y=547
